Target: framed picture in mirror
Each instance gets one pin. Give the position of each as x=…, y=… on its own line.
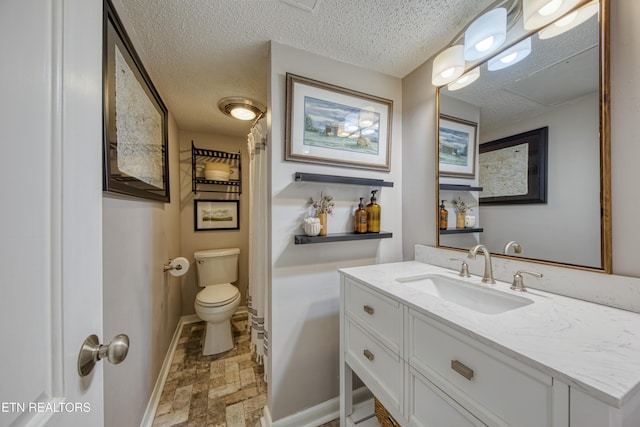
x=513, y=170
x=457, y=147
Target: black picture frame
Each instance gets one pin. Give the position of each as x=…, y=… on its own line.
x=212, y=215
x=535, y=174
x=135, y=141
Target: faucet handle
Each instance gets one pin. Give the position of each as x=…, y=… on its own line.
x=518, y=282
x=464, y=268
x=512, y=244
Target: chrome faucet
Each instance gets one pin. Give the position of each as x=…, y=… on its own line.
x=512, y=244
x=488, y=271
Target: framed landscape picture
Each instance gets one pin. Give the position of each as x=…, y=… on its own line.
x=331, y=125
x=457, y=147
x=216, y=215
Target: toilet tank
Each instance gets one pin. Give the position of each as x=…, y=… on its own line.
x=217, y=266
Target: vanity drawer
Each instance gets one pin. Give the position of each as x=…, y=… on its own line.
x=479, y=378
x=380, y=315
x=430, y=406
x=377, y=366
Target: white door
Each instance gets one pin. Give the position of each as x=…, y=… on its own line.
x=50, y=210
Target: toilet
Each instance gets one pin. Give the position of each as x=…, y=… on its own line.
x=219, y=299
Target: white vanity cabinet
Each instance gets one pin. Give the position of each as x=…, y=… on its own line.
x=426, y=374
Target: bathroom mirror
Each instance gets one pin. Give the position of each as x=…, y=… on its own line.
x=562, y=85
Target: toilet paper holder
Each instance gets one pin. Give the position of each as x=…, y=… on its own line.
x=169, y=267
x=177, y=266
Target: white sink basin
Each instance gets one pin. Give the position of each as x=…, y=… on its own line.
x=471, y=296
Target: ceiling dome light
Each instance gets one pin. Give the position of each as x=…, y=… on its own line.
x=466, y=79
x=570, y=21
x=485, y=34
x=448, y=66
x=513, y=55
x=539, y=13
x=241, y=108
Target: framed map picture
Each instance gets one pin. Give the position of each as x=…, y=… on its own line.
x=513, y=170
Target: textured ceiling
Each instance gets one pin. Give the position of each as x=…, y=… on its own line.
x=198, y=51
x=558, y=71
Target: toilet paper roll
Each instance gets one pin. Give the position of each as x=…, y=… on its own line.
x=180, y=266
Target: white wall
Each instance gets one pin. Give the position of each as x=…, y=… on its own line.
x=193, y=241
x=419, y=159
x=419, y=135
x=304, y=302
x=625, y=134
x=139, y=237
x=566, y=228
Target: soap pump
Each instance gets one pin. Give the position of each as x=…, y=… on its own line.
x=360, y=220
x=373, y=214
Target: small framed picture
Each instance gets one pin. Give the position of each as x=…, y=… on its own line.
x=457, y=147
x=216, y=215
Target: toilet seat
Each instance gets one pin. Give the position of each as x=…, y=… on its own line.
x=217, y=295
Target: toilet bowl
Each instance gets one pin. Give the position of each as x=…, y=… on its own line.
x=219, y=299
x=215, y=304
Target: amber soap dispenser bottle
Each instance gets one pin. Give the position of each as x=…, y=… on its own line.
x=360, y=220
x=373, y=214
x=444, y=216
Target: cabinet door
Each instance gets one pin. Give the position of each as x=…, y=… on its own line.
x=430, y=407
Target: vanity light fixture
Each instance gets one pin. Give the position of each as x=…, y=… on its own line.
x=570, y=21
x=485, y=34
x=539, y=13
x=466, y=79
x=448, y=65
x=511, y=56
x=241, y=108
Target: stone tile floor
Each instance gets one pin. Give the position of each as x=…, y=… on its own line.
x=224, y=390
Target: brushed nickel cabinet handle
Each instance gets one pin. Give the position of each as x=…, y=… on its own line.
x=462, y=369
x=368, y=355
x=367, y=309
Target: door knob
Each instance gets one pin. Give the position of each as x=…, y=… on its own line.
x=92, y=351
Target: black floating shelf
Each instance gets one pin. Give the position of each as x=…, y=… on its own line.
x=302, y=239
x=461, y=230
x=456, y=187
x=336, y=179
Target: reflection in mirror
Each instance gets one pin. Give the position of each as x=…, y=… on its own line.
x=557, y=86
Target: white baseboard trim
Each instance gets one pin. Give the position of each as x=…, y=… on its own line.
x=154, y=400
x=189, y=318
x=314, y=416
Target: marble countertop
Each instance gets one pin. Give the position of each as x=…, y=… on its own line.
x=589, y=346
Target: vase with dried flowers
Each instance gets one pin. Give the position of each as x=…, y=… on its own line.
x=461, y=207
x=322, y=207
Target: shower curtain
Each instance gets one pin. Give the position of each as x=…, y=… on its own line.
x=258, y=232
